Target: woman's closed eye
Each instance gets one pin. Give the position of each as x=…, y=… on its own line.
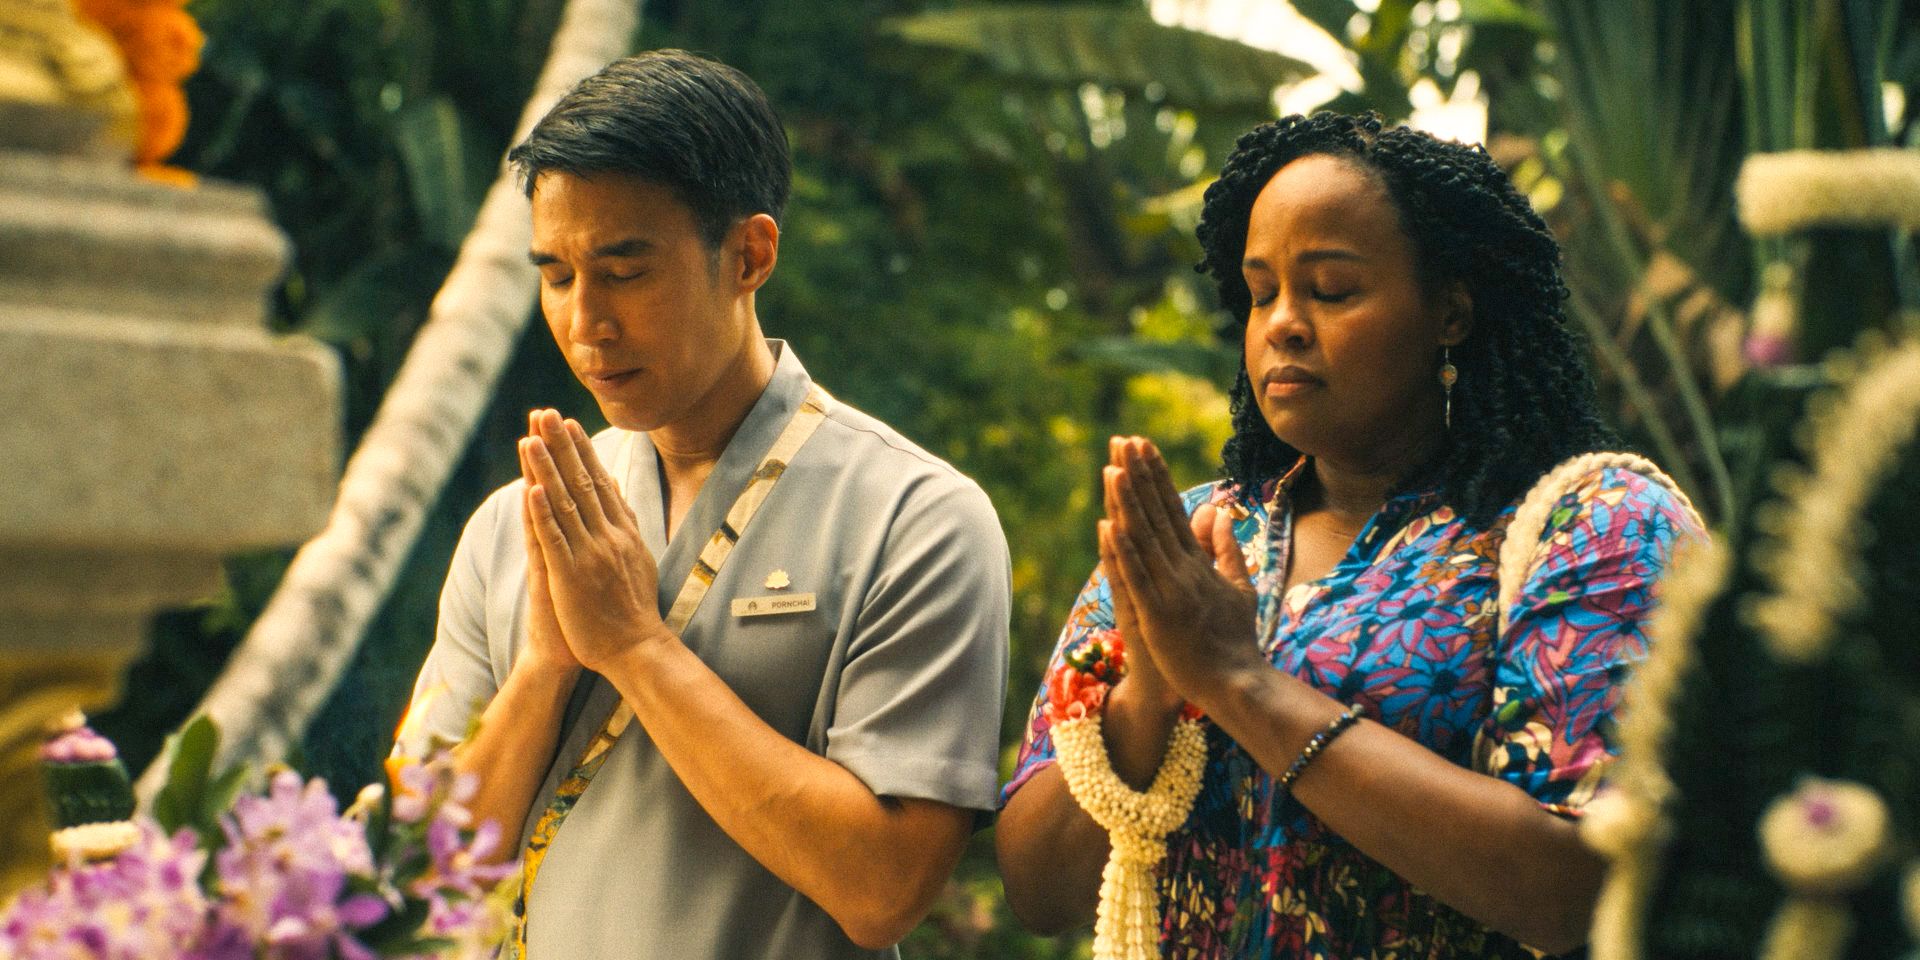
x=1266, y=298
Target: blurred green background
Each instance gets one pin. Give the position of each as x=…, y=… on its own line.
x=991, y=243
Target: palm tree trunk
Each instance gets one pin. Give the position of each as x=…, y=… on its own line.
x=296, y=651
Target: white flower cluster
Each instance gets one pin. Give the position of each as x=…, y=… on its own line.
x=1781, y=193
x=1807, y=928
x=1127, y=926
x=1910, y=898
x=1826, y=837
x=1823, y=840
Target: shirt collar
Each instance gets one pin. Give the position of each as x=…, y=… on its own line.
x=784, y=392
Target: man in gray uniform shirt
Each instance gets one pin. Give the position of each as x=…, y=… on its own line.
x=814, y=739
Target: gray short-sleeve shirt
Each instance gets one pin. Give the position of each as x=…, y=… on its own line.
x=897, y=674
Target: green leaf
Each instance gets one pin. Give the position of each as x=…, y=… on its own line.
x=1386, y=35
x=1142, y=356
x=368, y=299
x=189, y=765
x=167, y=813
x=1486, y=13
x=378, y=818
x=1113, y=47
x=1655, y=172
x=448, y=170
x=1329, y=15
x=220, y=793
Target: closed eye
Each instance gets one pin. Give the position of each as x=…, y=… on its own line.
x=1325, y=297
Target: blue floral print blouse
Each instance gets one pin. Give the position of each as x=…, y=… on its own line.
x=1406, y=625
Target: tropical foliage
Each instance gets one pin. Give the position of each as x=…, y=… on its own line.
x=991, y=240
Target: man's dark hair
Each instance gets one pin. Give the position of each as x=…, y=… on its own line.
x=1525, y=400
x=692, y=125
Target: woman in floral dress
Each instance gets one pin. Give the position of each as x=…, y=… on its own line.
x=1408, y=376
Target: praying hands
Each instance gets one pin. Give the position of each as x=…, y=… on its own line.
x=1180, y=591
x=590, y=578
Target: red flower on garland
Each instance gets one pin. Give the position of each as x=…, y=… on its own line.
x=1072, y=695
x=1085, y=672
x=1078, y=686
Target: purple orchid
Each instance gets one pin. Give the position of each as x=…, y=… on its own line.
x=288, y=859
x=295, y=879
x=145, y=904
x=223, y=941
x=458, y=876
x=434, y=788
x=311, y=919
x=78, y=744
x=297, y=826
x=461, y=868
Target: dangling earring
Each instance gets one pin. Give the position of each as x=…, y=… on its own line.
x=1448, y=377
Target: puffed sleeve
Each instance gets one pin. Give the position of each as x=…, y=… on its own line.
x=1577, y=626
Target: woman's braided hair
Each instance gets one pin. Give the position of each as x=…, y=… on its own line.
x=1525, y=400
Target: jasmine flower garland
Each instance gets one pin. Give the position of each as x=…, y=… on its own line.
x=1127, y=925
x=88, y=792
x=1825, y=838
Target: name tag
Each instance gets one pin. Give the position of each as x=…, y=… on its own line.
x=769, y=606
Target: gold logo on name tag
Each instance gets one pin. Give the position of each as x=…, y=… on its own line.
x=774, y=605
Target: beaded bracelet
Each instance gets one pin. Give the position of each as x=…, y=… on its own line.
x=1319, y=743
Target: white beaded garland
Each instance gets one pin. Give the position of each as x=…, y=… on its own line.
x=1127, y=925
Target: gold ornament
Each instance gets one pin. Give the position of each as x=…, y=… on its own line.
x=63, y=85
